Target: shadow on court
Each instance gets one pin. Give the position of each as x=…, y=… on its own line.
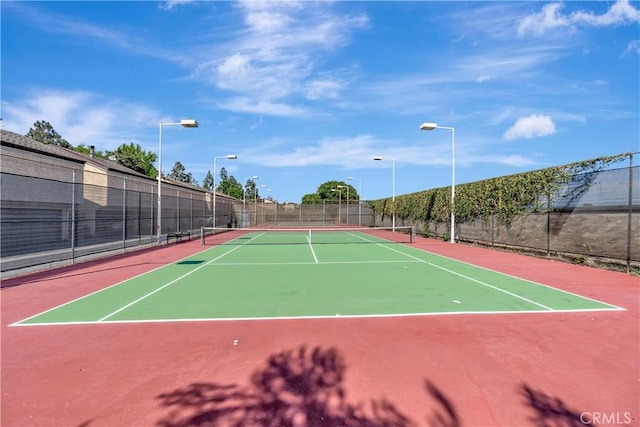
x=297, y=387
x=549, y=410
x=303, y=387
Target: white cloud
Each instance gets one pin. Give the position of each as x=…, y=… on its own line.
x=347, y=152
x=80, y=117
x=550, y=17
x=530, y=127
x=622, y=12
x=235, y=73
x=263, y=107
x=274, y=58
x=324, y=88
x=88, y=32
x=632, y=47
x=170, y=4
x=267, y=21
x=514, y=160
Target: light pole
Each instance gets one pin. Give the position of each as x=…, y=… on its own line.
x=244, y=197
x=347, y=187
x=230, y=157
x=359, y=198
x=432, y=126
x=263, y=214
x=255, y=202
x=244, y=190
x=339, y=190
x=393, y=191
x=187, y=123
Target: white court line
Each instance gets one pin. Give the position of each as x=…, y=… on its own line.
x=248, y=264
x=504, y=274
x=415, y=259
x=104, y=289
x=175, y=280
x=524, y=280
x=335, y=316
x=463, y=276
x=312, y=251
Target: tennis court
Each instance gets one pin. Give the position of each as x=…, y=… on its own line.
x=312, y=273
x=244, y=328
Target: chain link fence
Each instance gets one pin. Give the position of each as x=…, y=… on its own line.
x=59, y=208
x=82, y=214
x=596, y=215
x=76, y=214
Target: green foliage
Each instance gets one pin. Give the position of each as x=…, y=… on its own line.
x=88, y=151
x=43, y=131
x=332, y=191
x=228, y=185
x=250, y=190
x=132, y=156
x=178, y=173
x=504, y=197
x=207, y=183
x=311, y=199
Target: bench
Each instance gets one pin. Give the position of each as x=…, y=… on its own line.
x=179, y=235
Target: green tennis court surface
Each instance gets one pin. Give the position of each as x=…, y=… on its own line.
x=299, y=274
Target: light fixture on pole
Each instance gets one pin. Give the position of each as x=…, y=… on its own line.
x=263, y=214
x=359, y=198
x=347, y=187
x=244, y=190
x=245, y=215
x=187, y=123
x=255, y=201
x=393, y=190
x=230, y=157
x=339, y=190
x=432, y=126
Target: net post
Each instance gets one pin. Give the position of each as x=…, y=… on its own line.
x=412, y=234
x=201, y=236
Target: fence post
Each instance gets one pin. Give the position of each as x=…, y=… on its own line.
x=153, y=212
x=548, y=223
x=124, y=214
x=493, y=229
x=630, y=212
x=73, y=218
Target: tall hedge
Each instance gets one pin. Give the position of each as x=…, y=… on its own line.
x=503, y=197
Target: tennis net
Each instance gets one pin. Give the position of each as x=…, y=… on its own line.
x=292, y=236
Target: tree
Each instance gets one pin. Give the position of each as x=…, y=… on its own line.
x=43, y=131
x=178, y=173
x=251, y=190
x=135, y=158
x=311, y=199
x=223, y=174
x=332, y=191
x=228, y=185
x=88, y=151
x=208, y=183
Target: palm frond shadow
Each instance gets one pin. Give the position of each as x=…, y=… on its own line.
x=551, y=411
x=304, y=387
x=301, y=387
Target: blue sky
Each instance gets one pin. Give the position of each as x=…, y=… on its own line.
x=307, y=92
